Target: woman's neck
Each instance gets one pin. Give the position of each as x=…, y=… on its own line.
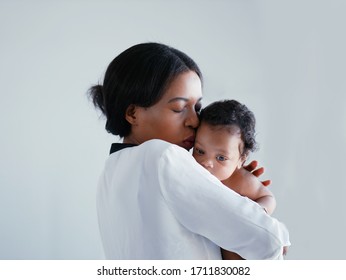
x=131, y=140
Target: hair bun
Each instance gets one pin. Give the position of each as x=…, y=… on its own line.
x=96, y=95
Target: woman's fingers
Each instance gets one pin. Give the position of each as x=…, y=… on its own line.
x=258, y=172
x=266, y=183
x=251, y=166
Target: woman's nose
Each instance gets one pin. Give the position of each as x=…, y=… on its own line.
x=192, y=120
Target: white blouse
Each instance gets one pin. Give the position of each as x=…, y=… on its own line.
x=155, y=201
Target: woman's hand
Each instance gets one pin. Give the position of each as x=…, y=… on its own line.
x=252, y=167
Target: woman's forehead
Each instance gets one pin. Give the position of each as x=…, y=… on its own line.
x=185, y=87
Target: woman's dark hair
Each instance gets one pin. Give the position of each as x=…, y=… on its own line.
x=232, y=113
x=138, y=76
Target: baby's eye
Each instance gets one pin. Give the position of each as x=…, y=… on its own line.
x=221, y=158
x=199, y=151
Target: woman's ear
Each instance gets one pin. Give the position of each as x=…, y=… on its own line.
x=130, y=114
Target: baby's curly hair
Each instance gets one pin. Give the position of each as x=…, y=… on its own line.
x=232, y=113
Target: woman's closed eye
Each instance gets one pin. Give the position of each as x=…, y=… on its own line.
x=197, y=109
x=178, y=109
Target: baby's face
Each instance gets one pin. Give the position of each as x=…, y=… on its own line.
x=218, y=150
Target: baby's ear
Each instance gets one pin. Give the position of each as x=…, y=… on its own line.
x=242, y=160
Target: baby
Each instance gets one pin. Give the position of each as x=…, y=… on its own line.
x=224, y=139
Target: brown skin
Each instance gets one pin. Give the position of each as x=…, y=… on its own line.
x=173, y=118
x=252, y=167
x=246, y=184
x=218, y=149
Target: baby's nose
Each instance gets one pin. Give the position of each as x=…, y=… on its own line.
x=207, y=164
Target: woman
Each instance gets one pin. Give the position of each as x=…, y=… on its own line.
x=154, y=200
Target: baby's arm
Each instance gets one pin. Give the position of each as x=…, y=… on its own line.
x=246, y=184
x=266, y=200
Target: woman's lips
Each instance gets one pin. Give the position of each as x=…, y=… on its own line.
x=189, y=142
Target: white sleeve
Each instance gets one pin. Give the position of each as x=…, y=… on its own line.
x=202, y=204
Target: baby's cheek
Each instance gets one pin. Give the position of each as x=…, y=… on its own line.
x=196, y=158
x=222, y=173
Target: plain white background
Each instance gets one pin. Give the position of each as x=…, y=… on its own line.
x=284, y=59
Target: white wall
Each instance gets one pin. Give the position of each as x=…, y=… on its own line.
x=284, y=59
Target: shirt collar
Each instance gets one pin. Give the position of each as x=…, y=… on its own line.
x=119, y=146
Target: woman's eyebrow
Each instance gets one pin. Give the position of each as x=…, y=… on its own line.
x=182, y=99
x=178, y=99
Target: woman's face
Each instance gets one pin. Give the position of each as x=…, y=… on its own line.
x=174, y=118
